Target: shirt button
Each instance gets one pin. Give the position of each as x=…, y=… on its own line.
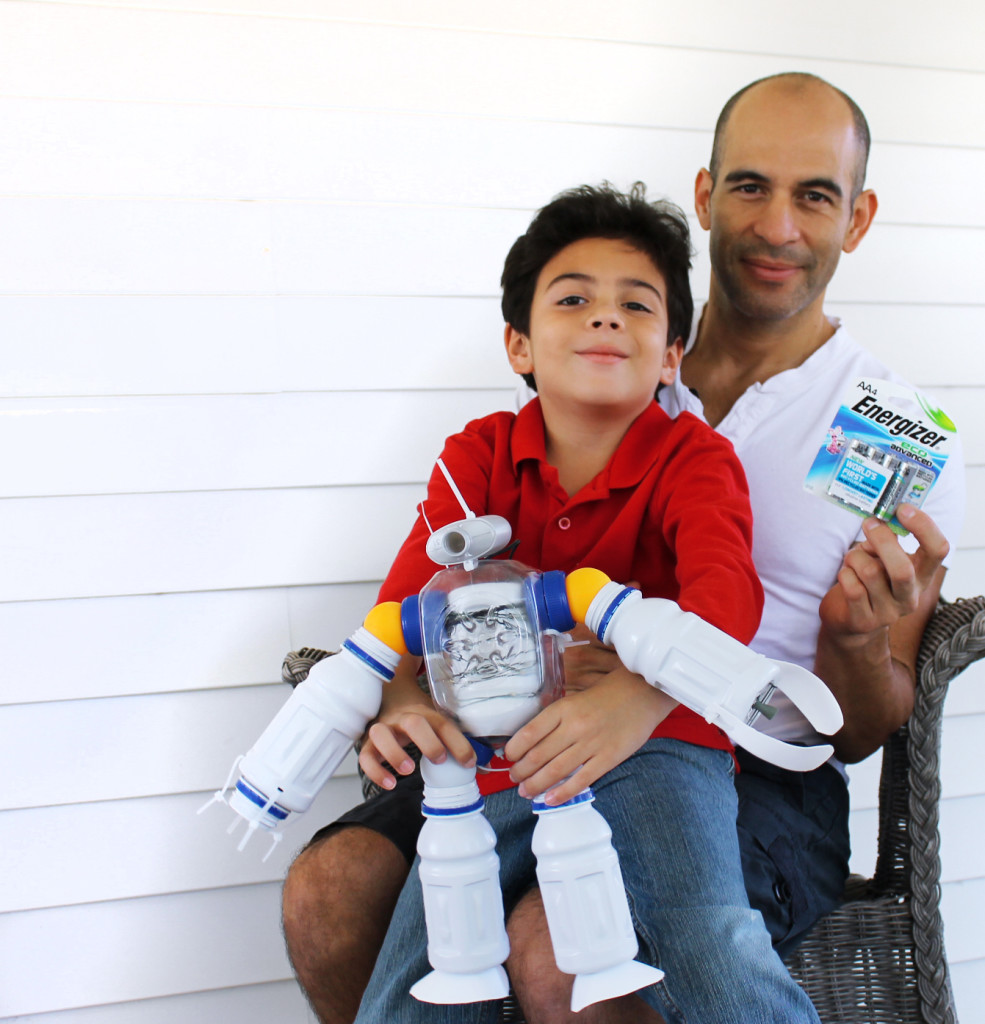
x=563, y=523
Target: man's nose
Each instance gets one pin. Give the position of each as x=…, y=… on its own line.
x=777, y=223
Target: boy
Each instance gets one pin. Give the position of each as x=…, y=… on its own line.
x=596, y=299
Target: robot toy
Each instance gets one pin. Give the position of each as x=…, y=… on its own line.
x=491, y=633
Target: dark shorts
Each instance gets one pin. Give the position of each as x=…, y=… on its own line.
x=793, y=836
x=394, y=813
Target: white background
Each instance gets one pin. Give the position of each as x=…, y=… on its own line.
x=249, y=263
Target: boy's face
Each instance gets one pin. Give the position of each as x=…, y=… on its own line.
x=598, y=329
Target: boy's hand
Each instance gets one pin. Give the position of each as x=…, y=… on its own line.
x=433, y=733
x=586, y=664
x=585, y=734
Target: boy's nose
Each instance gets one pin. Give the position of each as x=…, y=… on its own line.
x=605, y=315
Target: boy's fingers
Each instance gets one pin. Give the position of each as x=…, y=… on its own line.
x=524, y=740
x=555, y=772
x=456, y=743
x=387, y=748
x=373, y=769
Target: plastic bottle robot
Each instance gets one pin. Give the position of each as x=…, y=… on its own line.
x=491, y=634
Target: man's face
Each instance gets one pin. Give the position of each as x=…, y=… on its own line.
x=780, y=212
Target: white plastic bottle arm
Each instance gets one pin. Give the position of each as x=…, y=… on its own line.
x=704, y=668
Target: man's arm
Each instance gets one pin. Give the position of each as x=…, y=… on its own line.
x=872, y=621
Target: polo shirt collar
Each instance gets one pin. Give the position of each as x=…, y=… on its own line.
x=626, y=468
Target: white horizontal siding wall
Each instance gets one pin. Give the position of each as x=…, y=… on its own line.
x=248, y=282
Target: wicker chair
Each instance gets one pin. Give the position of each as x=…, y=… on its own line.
x=879, y=957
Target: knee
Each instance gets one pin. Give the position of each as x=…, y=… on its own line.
x=341, y=888
x=542, y=990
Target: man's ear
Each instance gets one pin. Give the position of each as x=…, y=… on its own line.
x=863, y=211
x=518, y=350
x=672, y=360
x=702, y=197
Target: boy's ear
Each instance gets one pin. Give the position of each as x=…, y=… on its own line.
x=672, y=360
x=518, y=350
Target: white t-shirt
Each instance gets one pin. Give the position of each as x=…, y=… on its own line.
x=799, y=540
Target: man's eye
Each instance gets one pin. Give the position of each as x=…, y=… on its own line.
x=749, y=188
x=571, y=300
x=817, y=197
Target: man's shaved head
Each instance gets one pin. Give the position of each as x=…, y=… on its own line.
x=796, y=82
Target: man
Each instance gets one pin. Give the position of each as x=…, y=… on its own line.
x=783, y=198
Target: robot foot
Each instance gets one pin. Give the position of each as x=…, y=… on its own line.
x=612, y=982
x=443, y=987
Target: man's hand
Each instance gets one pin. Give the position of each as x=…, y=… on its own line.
x=585, y=734
x=872, y=621
x=879, y=583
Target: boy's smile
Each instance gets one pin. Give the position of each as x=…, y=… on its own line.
x=598, y=329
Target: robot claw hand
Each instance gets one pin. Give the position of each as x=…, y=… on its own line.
x=704, y=668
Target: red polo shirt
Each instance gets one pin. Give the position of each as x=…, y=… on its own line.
x=670, y=510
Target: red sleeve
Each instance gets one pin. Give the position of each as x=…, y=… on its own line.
x=468, y=456
x=707, y=522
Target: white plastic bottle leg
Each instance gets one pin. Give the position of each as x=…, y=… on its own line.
x=585, y=902
x=463, y=903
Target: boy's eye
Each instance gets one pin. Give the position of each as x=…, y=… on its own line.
x=571, y=300
x=638, y=307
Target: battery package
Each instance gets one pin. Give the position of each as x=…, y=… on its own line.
x=886, y=445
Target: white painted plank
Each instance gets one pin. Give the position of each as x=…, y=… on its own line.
x=964, y=405
x=192, y=151
x=69, y=855
x=134, y=247
x=166, y=643
x=703, y=24
x=961, y=835
x=280, y=1001
x=104, y=546
x=961, y=773
x=966, y=577
x=324, y=616
x=191, y=57
x=966, y=694
x=963, y=907
x=138, y=445
x=165, y=543
x=125, y=747
x=141, y=247
x=209, y=152
x=146, y=444
x=968, y=982
x=934, y=346
x=99, y=344
x=973, y=532
x=60, y=650
x=141, y=949
x=959, y=819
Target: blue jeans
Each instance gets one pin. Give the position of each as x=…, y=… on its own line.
x=672, y=810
